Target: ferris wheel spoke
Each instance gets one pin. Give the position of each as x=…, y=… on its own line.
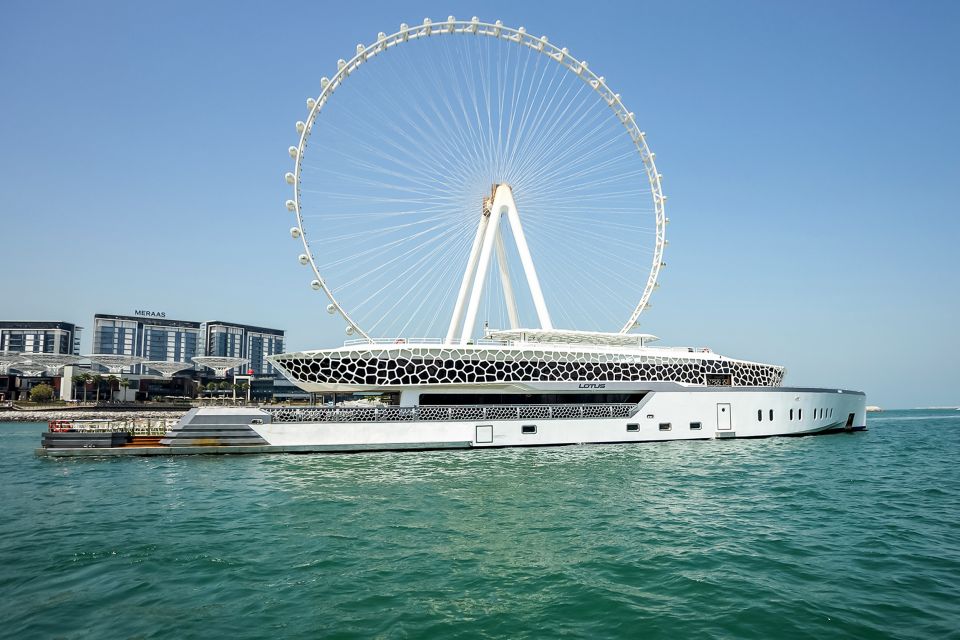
x=549, y=129
x=561, y=148
x=420, y=243
x=404, y=281
x=413, y=290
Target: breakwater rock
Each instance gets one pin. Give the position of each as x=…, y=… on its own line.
x=96, y=414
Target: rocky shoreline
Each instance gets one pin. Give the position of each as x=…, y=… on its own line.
x=94, y=414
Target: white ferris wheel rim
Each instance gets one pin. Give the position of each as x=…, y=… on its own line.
x=474, y=26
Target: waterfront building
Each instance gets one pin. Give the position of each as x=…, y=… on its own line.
x=231, y=340
x=149, y=337
x=155, y=337
x=40, y=337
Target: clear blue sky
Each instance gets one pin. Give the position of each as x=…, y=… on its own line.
x=809, y=149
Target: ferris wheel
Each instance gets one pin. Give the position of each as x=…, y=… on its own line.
x=460, y=174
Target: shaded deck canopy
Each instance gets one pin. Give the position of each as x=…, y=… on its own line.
x=561, y=336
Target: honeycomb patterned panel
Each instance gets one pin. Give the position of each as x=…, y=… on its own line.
x=407, y=366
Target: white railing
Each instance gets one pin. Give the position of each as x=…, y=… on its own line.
x=444, y=413
x=395, y=342
x=417, y=341
x=137, y=426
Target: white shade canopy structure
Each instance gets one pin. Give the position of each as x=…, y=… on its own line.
x=166, y=368
x=219, y=364
x=52, y=362
x=115, y=363
x=8, y=359
x=462, y=173
x=29, y=371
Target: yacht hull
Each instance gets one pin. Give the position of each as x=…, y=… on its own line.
x=694, y=414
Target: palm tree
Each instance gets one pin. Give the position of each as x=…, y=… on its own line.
x=80, y=380
x=112, y=380
x=97, y=380
x=125, y=383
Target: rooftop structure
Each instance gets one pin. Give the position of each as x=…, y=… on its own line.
x=558, y=336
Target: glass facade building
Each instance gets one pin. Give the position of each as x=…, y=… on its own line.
x=227, y=339
x=180, y=340
x=40, y=337
x=150, y=338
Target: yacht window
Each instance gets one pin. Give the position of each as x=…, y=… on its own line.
x=719, y=380
x=799, y=414
x=633, y=427
x=665, y=426
x=695, y=426
x=791, y=414
x=771, y=415
x=759, y=415
x=256, y=421
x=528, y=428
x=649, y=416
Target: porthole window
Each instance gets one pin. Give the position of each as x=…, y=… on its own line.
x=771, y=415
x=528, y=428
x=695, y=426
x=665, y=426
x=791, y=414
x=759, y=415
x=799, y=414
x=633, y=427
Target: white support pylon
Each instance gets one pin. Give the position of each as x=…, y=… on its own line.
x=508, y=295
x=467, y=277
x=488, y=234
x=510, y=208
x=483, y=261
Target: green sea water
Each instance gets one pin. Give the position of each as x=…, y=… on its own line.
x=844, y=536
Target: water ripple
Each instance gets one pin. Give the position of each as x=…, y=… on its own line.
x=844, y=536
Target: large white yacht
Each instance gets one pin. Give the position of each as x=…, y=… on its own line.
x=575, y=191
x=484, y=131
x=527, y=388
